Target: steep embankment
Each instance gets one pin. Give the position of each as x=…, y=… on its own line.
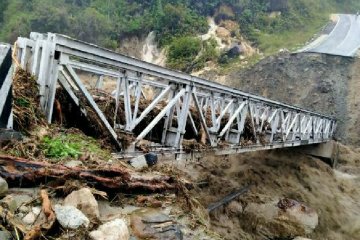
x=323, y=83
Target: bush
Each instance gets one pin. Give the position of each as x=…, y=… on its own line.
x=208, y=53
x=183, y=52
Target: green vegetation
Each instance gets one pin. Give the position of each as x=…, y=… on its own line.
x=298, y=22
x=107, y=22
x=177, y=21
x=71, y=146
x=182, y=53
x=190, y=53
x=60, y=147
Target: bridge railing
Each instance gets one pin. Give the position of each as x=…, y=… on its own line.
x=184, y=102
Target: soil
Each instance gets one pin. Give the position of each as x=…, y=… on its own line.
x=317, y=82
x=274, y=175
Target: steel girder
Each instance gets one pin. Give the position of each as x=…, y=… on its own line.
x=221, y=110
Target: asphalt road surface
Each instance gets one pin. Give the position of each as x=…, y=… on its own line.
x=344, y=40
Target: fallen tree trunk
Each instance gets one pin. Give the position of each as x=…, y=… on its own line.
x=20, y=172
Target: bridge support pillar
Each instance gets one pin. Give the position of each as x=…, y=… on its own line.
x=328, y=151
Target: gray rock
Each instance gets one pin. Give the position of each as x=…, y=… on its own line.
x=29, y=219
x=5, y=235
x=14, y=201
x=36, y=210
x=156, y=218
x=70, y=217
x=144, y=161
x=24, y=209
x=114, y=230
x=4, y=187
x=139, y=162
x=84, y=201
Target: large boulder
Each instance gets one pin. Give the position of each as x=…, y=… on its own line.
x=114, y=230
x=283, y=218
x=70, y=217
x=298, y=212
x=85, y=201
x=235, y=51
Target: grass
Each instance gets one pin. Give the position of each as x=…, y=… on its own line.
x=292, y=40
x=72, y=146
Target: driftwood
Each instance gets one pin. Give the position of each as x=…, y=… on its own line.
x=20, y=172
x=48, y=223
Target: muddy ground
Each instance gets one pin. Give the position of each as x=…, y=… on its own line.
x=332, y=194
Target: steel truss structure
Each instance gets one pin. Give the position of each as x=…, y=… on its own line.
x=55, y=59
x=6, y=116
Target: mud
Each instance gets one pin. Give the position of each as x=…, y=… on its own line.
x=276, y=175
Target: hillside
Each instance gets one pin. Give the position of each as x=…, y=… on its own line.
x=319, y=82
x=267, y=24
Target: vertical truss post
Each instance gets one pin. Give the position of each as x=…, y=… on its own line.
x=45, y=70
x=99, y=83
x=53, y=80
x=117, y=96
x=202, y=118
x=127, y=103
x=138, y=93
x=251, y=110
x=274, y=125
x=182, y=119
x=168, y=117
x=37, y=52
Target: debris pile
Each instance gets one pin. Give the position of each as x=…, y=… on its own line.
x=78, y=171
x=26, y=102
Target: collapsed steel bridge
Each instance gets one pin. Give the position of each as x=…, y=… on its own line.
x=56, y=60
